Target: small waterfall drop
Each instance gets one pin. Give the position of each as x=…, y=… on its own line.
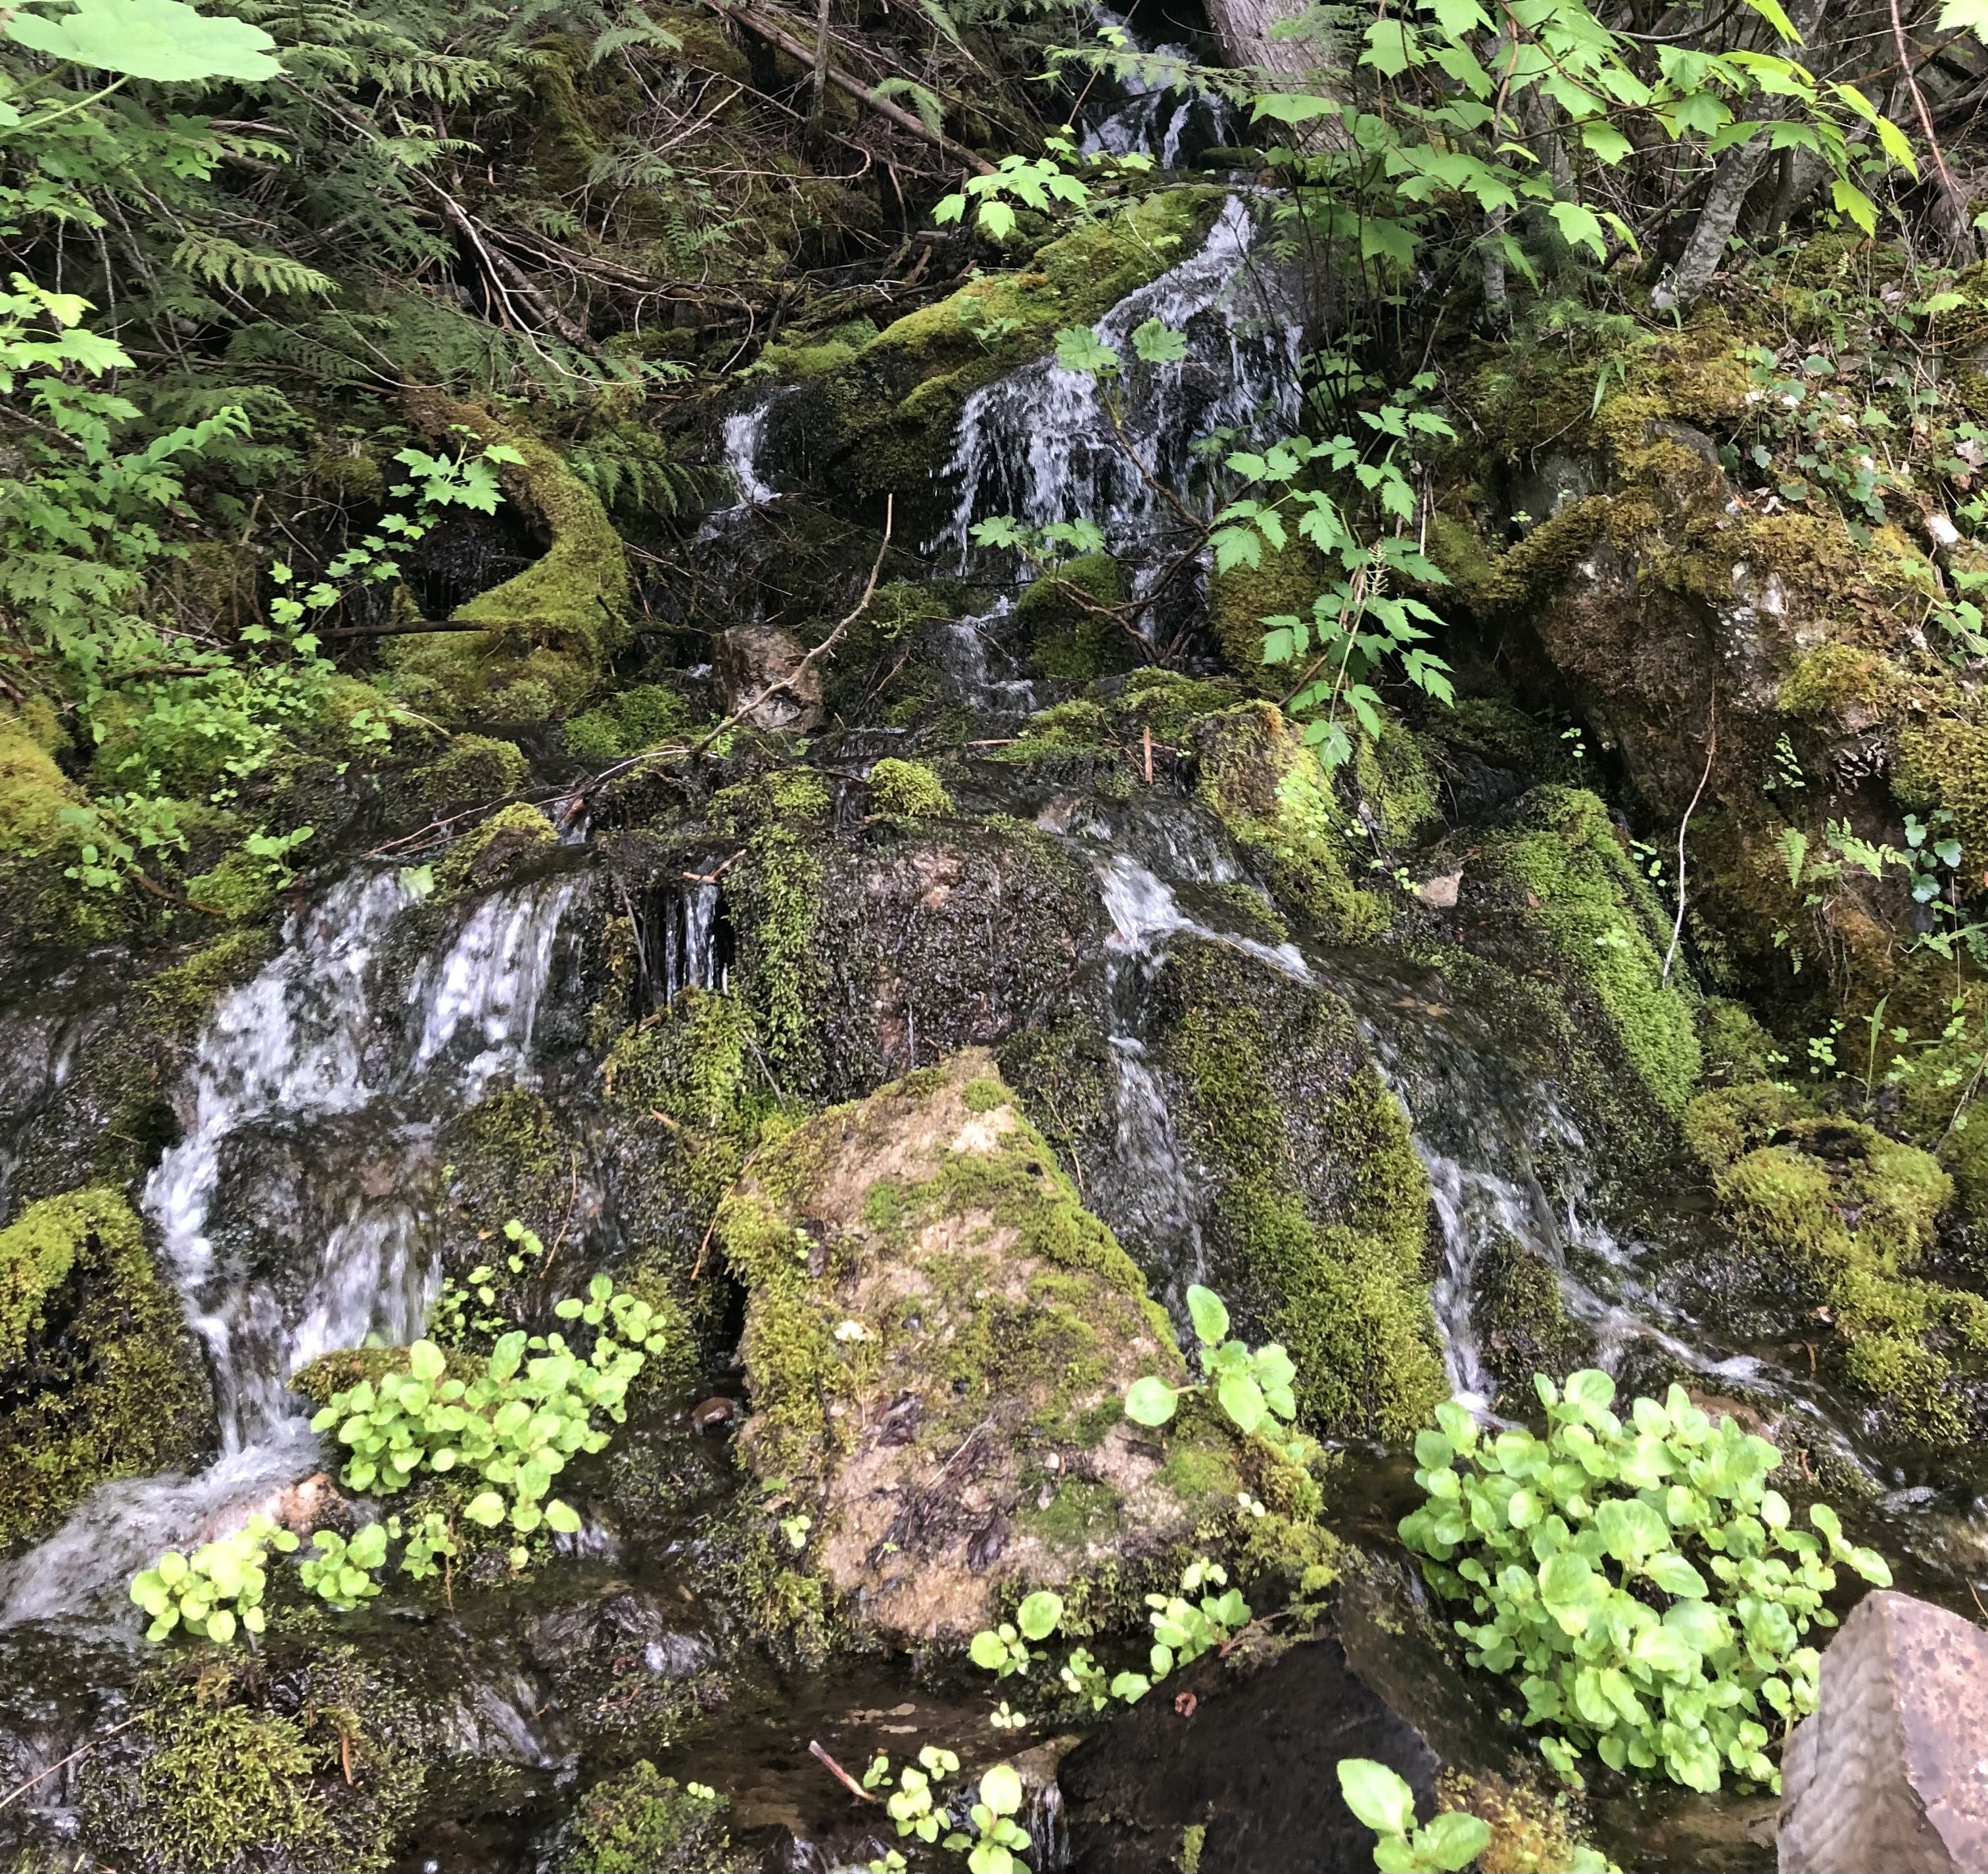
x=744, y=437
x=1160, y=112
x=1039, y=444
x=290, y=1216
x=690, y=938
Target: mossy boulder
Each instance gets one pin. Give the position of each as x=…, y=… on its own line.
x=890, y=412
x=938, y=1338
x=907, y=790
x=1268, y=786
x=1848, y=1215
x=1064, y=617
x=1556, y=874
x=473, y=768
x=643, y=1822
x=628, y=722
x=493, y=846
x=1317, y=1234
x=98, y=1377
x=38, y=904
x=544, y=636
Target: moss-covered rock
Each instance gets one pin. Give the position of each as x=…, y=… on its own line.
x=938, y=1336
x=643, y=1822
x=1558, y=869
x=98, y=1378
x=628, y=722
x=1268, y=786
x=1065, y=617
x=544, y=636
x=474, y=767
x=1318, y=1229
x=493, y=846
x=313, y=1766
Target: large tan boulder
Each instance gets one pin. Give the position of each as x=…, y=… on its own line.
x=1889, y=1775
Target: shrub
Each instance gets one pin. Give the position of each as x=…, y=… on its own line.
x=1642, y=1581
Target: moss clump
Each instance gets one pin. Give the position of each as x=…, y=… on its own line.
x=774, y=897
x=97, y=1379
x=907, y=790
x=1280, y=585
x=482, y=856
x=627, y=723
x=1567, y=877
x=1070, y=634
x=1270, y=788
x=316, y=1770
x=1319, y=1202
x=643, y=1822
x=1942, y=761
x=1844, y=681
x=475, y=767
x=1518, y=1313
x=1853, y=1213
x=36, y=844
x=1733, y=1048
x=547, y=633
x=241, y=888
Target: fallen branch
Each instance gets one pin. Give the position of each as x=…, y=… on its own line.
x=21, y=1789
x=1952, y=197
x=841, y=1775
x=896, y=113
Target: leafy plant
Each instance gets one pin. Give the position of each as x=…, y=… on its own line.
x=340, y=1572
x=1254, y=1389
x=1642, y=1581
x=1184, y=1629
x=216, y=1589
x=1386, y=1805
x=1005, y=1649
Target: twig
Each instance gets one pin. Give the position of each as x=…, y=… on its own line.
x=841, y=1775
x=1951, y=199
x=827, y=644
x=1711, y=749
x=903, y=119
x=21, y=1789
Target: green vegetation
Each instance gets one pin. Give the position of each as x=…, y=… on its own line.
x=1640, y=1580
x=643, y=1822
x=1386, y=1805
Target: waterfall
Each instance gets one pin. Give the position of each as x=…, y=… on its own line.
x=1158, y=1207
x=1159, y=110
x=744, y=436
x=290, y=1216
x=1038, y=443
x=966, y=648
x=690, y=940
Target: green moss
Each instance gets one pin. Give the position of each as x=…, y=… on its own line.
x=36, y=844
x=1839, y=681
x=97, y=1379
x=802, y=359
x=475, y=767
x=1341, y=1285
x=546, y=634
x=1520, y=1318
x=1280, y=585
x=1733, y=1047
x=493, y=846
x=907, y=790
x=628, y=722
x=1855, y=1213
x=1269, y=788
x=643, y=1822
x=1070, y=635
x=242, y=887
x=217, y=1779
x=1571, y=883
x=180, y=998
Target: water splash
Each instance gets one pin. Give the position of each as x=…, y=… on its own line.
x=1144, y=910
x=1157, y=1208
x=1039, y=443
x=744, y=436
x=1160, y=111
x=967, y=648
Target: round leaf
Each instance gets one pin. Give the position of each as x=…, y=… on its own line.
x=1149, y=1401
x=1001, y=1790
x=159, y=39
x=1038, y=1615
x=1210, y=1316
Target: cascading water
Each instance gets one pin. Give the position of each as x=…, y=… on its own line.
x=290, y=1215
x=1161, y=114
x=744, y=437
x=1039, y=444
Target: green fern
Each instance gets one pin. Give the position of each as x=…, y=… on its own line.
x=222, y=262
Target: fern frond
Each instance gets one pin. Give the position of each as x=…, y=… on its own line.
x=925, y=101
x=222, y=262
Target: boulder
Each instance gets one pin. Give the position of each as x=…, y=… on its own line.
x=1889, y=1775
x=938, y=1336
x=748, y=659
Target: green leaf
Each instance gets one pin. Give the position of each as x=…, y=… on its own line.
x=1579, y=228
x=1209, y=1315
x=1157, y=343
x=1038, y=1615
x=1001, y=1790
x=988, y=1650
x=487, y=1510
x=162, y=40
x=1243, y=1399
x=1149, y=1401
x=1376, y=1795
x=1080, y=349
x=1452, y=1841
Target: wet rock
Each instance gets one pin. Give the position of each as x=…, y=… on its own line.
x=748, y=659
x=1247, y=1769
x=931, y=1316
x=1888, y=1775
x=713, y=1414
x=1439, y=893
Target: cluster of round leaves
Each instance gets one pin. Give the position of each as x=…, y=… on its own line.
x=1642, y=1581
x=917, y=1808
x=514, y=1425
x=1253, y=1388
x=215, y=1591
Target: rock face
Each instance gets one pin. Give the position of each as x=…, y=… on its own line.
x=1889, y=1775
x=749, y=657
x=938, y=1335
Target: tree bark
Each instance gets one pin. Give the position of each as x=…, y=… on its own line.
x=1243, y=28
x=1733, y=181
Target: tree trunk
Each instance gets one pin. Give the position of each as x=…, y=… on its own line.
x=1243, y=28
